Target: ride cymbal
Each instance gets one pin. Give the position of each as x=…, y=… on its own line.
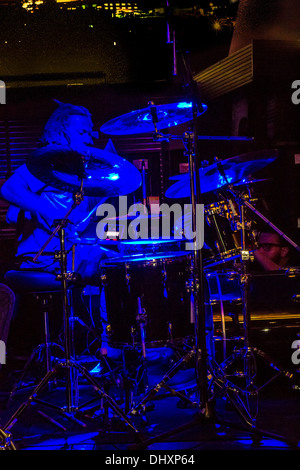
x=144, y=120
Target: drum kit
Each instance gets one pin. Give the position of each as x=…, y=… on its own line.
x=155, y=290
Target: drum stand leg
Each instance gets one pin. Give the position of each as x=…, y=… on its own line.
x=71, y=368
x=164, y=384
x=141, y=318
x=46, y=347
x=7, y=443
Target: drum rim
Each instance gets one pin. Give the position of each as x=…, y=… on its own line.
x=150, y=259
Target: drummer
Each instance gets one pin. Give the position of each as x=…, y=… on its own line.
x=35, y=206
x=272, y=253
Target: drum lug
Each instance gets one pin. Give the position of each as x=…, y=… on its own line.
x=127, y=276
x=245, y=255
x=103, y=279
x=190, y=285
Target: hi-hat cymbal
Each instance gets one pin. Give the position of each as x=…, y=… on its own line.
x=224, y=172
x=103, y=173
x=142, y=120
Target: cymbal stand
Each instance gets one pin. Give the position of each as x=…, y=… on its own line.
x=196, y=288
x=248, y=353
x=68, y=364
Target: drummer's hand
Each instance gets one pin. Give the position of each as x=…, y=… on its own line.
x=264, y=261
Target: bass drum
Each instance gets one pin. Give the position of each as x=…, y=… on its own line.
x=147, y=288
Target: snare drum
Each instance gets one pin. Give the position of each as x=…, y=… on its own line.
x=159, y=282
x=149, y=247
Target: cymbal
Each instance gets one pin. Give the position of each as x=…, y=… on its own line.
x=219, y=174
x=246, y=181
x=142, y=120
x=103, y=173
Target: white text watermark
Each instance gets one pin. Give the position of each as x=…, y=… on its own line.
x=159, y=222
x=296, y=94
x=2, y=352
x=2, y=92
x=296, y=354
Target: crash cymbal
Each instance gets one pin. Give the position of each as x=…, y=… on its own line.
x=142, y=120
x=103, y=173
x=221, y=173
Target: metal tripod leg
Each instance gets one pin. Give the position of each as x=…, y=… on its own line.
x=72, y=368
x=7, y=441
x=163, y=383
x=269, y=361
x=35, y=354
x=227, y=389
x=33, y=398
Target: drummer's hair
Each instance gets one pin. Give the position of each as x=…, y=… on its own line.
x=57, y=124
x=281, y=240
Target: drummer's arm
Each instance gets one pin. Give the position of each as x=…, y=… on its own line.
x=266, y=263
x=17, y=192
x=93, y=204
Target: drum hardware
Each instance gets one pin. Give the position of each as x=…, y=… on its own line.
x=211, y=178
x=161, y=270
x=68, y=364
x=133, y=335
x=47, y=347
x=141, y=318
x=144, y=187
x=234, y=170
x=72, y=368
x=248, y=353
x=6, y=442
x=170, y=328
x=190, y=142
x=222, y=320
x=197, y=304
x=183, y=361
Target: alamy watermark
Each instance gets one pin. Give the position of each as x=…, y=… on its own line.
x=296, y=94
x=2, y=352
x=2, y=92
x=159, y=222
x=296, y=354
